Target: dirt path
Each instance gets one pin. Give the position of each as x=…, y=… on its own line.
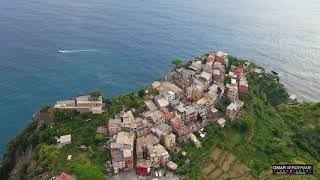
x=250, y=134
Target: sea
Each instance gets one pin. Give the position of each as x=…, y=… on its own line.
x=119, y=46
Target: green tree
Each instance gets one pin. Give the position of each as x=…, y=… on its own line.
x=95, y=93
x=48, y=154
x=177, y=62
x=99, y=138
x=141, y=92
x=227, y=80
x=45, y=108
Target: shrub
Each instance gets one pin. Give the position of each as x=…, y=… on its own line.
x=95, y=93
x=99, y=138
x=177, y=62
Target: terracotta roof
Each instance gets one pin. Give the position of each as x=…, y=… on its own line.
x=65, y=176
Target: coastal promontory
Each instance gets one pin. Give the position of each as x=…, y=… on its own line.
x=214, y=116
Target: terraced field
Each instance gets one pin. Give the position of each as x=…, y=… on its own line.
x=224, y=165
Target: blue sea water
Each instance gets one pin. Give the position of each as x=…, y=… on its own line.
x=135, y=41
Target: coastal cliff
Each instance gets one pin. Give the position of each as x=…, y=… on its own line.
x=268, y=131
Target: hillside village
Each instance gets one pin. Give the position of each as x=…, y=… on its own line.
x=185, y=103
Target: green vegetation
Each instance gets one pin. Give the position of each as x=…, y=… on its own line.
x=82, y=127
x=95, y=93
x=235, y=61
x=177, y=62
x=141, y=92
x=148, y=90
x=222, y=105
x=227, y=80
x=45, y=108
x=303, y=119
x=87, y=171
x=48, y=154
x=18, y=147
x=99, y=138
x=124, y=102
x=151, y=91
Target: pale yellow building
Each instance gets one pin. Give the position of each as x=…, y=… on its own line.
x=170, y=141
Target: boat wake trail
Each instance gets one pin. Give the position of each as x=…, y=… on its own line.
x=79, y=50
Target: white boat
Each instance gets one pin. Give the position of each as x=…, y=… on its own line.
x=78, y=50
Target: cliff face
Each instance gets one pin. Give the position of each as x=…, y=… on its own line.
x=19, y=150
